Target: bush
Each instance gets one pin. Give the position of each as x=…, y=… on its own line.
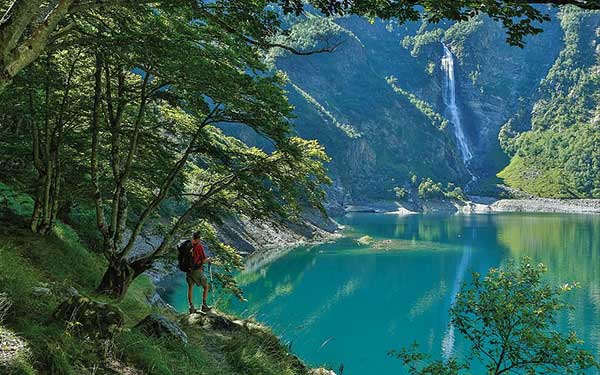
x=454, y=192
x=429, y=189
x=15, y=202
x=400, y=192
x=508, y=317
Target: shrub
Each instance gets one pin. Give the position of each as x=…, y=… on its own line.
x=429, y=189
x=400, y=192
x=508, y=317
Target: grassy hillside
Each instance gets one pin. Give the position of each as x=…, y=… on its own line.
x=58, y=262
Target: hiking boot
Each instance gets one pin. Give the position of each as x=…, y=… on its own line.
x=205, y=307
x=193, y=310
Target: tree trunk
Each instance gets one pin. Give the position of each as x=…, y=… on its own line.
x=116, y=279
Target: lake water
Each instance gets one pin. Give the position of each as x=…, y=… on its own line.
x=348, y=303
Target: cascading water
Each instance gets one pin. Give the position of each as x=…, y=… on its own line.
x=452, y=110
x=453, y=113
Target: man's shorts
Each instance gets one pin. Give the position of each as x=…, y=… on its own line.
x=196, y=277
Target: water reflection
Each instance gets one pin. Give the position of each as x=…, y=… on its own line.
x=398, y=289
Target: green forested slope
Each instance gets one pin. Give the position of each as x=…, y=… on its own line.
x=560, y=155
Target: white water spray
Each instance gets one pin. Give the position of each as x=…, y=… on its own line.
x=451, y=107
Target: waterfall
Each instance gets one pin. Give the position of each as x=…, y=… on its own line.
x=451, y=107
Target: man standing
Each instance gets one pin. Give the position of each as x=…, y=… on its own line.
x=196, y=273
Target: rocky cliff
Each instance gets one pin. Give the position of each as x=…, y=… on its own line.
x=376, y=102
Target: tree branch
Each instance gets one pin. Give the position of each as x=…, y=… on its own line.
x=166, y=184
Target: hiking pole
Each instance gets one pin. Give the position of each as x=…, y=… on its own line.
x=212, y=284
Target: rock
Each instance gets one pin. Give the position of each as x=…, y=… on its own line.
x=159, y=326
x=41, y=291
x=365, y=240
x=216, y=320
x=12, y=349
x=321, y=371
x=156, y=300
x=90, y=318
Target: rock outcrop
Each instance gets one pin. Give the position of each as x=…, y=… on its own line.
x=89, y=318
x=160, y=326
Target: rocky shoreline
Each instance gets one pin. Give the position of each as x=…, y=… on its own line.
x=265, y=240
x=478, y=204
x=582, y=206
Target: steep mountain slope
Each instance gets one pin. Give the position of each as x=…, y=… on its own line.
x=559, y=153
x=375, y=129
x=377, y=105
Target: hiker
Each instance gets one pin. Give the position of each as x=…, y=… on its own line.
x=191, y=260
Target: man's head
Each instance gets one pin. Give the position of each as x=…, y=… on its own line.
x=196, y=238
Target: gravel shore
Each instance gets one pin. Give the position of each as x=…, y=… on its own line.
x=482, y=204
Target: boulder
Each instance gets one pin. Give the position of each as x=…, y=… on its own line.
x=159, y=326
x=365, y=240
x=156, y=300
x=321, y=371
x=213, y=319
x=90, y=318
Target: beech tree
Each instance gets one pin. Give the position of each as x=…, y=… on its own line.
x=153, y=123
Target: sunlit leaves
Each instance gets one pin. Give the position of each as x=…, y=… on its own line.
x=509, y=318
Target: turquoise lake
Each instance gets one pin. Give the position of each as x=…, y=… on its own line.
x=343, y=302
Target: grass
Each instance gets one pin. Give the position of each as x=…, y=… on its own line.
x=539, y=182
x=60, y=261
x=264, y=356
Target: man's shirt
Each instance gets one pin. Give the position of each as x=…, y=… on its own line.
x=198, y=255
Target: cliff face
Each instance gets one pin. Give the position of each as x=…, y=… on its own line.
x=497, y=81
x=375, y=129
x=376, y=102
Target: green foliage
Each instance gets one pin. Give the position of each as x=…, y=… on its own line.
x=560, y=164
x=59, y=261
x=429, y=189
x=437, y=120
x=156, y=356
x=519, y=19
x=152, y=113
x=17, y=203
x=400, y=192
x=260, y=353
x=348, y=129
x=420, y=364
x=559, y=156
x=454, y=192
x=509, y=319
x=416, y=42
